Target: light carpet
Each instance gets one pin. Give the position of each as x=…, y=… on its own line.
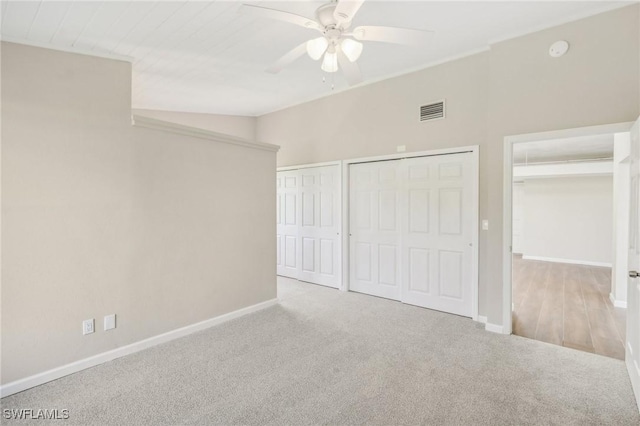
x=327, y=357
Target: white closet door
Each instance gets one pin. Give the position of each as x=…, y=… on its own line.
x=437, y=208
x=319, y=255
x=374, y=229
x=287, y=223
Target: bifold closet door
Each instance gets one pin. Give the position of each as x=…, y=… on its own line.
x=319, y=256
x=287, y=223
x=309, y=225
x=374, y=230
x=411, y=231
x=437, y=219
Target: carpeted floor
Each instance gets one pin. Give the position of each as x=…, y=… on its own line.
x=328, y=357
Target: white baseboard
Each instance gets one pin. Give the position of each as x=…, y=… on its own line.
x=494, y=328
x=490, y=327
x=571, y=261
x=618, y=303
x=74, y=367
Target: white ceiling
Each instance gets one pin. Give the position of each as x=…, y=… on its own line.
x=569, y=149
x=205, y=57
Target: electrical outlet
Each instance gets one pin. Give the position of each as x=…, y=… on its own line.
x=109, y=322
x=87, y=326
x=401, y=148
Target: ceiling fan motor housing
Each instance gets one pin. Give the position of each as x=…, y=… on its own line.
x=325, y=15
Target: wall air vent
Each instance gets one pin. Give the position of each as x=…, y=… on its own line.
x=432, y=111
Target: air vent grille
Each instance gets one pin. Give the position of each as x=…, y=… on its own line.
x=432, y=111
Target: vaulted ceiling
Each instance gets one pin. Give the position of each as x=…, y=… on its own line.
x=204, y=56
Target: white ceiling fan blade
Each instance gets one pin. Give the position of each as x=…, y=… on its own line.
x=346, y=10
x=292, y=18
x=351, y=70
x=392, y=35
x=288, y=58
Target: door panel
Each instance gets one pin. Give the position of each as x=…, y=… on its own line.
x=287, y=224
x=437, y=204
x=419, y=267
x=632, y=357
x=374, y=229
x=309, y=223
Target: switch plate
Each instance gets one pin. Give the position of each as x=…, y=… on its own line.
x=401, y=148
x=109, y=322
x=485, y=225
x=87, y=326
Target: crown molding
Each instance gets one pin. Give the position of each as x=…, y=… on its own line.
x=179, y=129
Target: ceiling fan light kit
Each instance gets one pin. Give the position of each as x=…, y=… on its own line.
x=351, y=48
x=317, y=47
x=330, y=62
x=341, y=49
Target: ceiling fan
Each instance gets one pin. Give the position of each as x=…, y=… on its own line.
x=339, y=46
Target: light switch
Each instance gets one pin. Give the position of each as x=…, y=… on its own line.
x=485, y=225
x=109, y=322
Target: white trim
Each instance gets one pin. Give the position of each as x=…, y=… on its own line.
x=398, y=156
x=309, y=166
x=345, y=227
x=475, y=236
x=559, y=170
x=475, y=152
x=66, y=49
x=603, y=129
x=58, y=372
x=166, y=126
x=617, y=303
x=570, y=261
x=631, y=366
x=507, y=174
x=493, y=328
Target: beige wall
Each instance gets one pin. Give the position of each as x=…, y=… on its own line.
x=100, y=217
x=569, y=218
x=513, y=88
x=234, y=125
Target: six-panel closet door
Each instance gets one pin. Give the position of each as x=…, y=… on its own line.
x=437, y=225
x=411, y=230
x=287, y=224
x=308, y=230
x=374, y=229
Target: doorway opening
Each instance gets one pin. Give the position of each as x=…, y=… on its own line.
x=567, y=197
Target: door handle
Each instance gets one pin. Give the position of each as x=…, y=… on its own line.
x=634, y=274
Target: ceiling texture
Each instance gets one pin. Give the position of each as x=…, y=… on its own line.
x=204, y=56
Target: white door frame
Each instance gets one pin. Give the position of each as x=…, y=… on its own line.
x=509, y=141
x=475, y=152
x=340, y=197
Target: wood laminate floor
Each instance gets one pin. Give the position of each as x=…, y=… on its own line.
x=567, y=305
